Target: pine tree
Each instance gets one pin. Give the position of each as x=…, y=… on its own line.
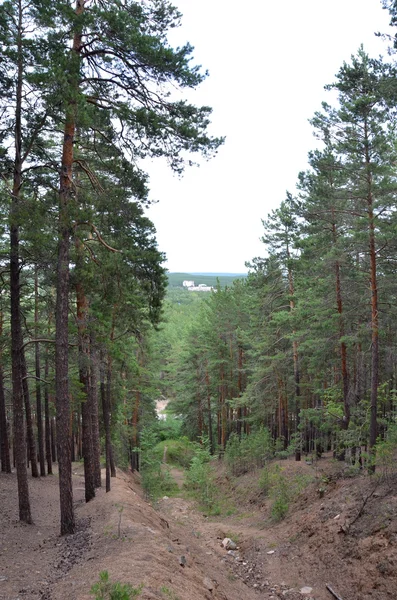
x=362, y=129
x=115, y=72
x=281, y=232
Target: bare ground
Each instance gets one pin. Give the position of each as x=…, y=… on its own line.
x=175, y=551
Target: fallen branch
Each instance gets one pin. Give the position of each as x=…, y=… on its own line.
x=346, y=528
x=335, y=595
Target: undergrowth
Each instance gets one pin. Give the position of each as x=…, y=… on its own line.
x=248, y=452
x=156, y=478
x=200, y=479
x=282, y=490
x=175, y=452
x=108, y=590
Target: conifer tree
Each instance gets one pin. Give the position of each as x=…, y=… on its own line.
x=112, y=82
x=281, y=234
x=362, y=130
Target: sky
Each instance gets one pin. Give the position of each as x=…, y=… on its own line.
x=268, y=62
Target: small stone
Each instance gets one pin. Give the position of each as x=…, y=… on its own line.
x=306, y=590
x=165, y=498
x=208, y=583
x=182, y=560
x=229, y=544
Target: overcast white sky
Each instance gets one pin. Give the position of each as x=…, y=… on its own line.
x=268, y=62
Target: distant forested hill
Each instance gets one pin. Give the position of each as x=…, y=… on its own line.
x=176, y=279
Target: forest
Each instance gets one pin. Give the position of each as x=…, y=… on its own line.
x=302, y=351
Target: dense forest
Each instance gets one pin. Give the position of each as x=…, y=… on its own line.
x=303, y=347
x=86, y=96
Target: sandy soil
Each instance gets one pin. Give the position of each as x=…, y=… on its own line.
x=175, y=551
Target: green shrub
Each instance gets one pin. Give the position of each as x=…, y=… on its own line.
x=386, y=454
x=200, y=479
x=156, y=480
x=106, y=590
x=280, y=493
x=274, y=483
x=280, y=506
x=248, y=452
x=168, y=428
x=176, y=452
x=265, y=481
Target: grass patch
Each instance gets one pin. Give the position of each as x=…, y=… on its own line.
x=175, y=452
x=105, y=589
x=282, y=490
x=168, y=593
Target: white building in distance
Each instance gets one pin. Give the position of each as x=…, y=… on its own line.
x=201, y=287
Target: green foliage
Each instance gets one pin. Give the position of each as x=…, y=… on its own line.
x=107, y=590
x=281, y=489
x=156, y=479
x=296, y=443
x=176, y=452
x=168, y=428
x=248, y=452
x=200, y=480
x=168, y=593
x=385, y=455
x=280, y=504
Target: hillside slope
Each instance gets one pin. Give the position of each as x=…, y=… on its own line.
x=347, y=539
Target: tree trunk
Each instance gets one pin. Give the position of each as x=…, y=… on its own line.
x=223, y=412
x=135, y=440
x=40, y=433
x=15, y=288
x=86, y=408
x=240, y=389
x=53, y=439
x=199, y=407
x=95, y=414
x=210, y=433
x=62, y=312
x=106, y=422
x=29, y=421
x=5, y=447
x=47, y=417
x=373, y=428
x=296, y=360
x=343, y=347
x=373, y=432
x=108, y=412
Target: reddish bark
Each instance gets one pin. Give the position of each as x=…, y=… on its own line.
x=5, y=448
x=16, y=327
x=62, y=309
x=39, y=416
x=343, y=347
x=86, y=408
